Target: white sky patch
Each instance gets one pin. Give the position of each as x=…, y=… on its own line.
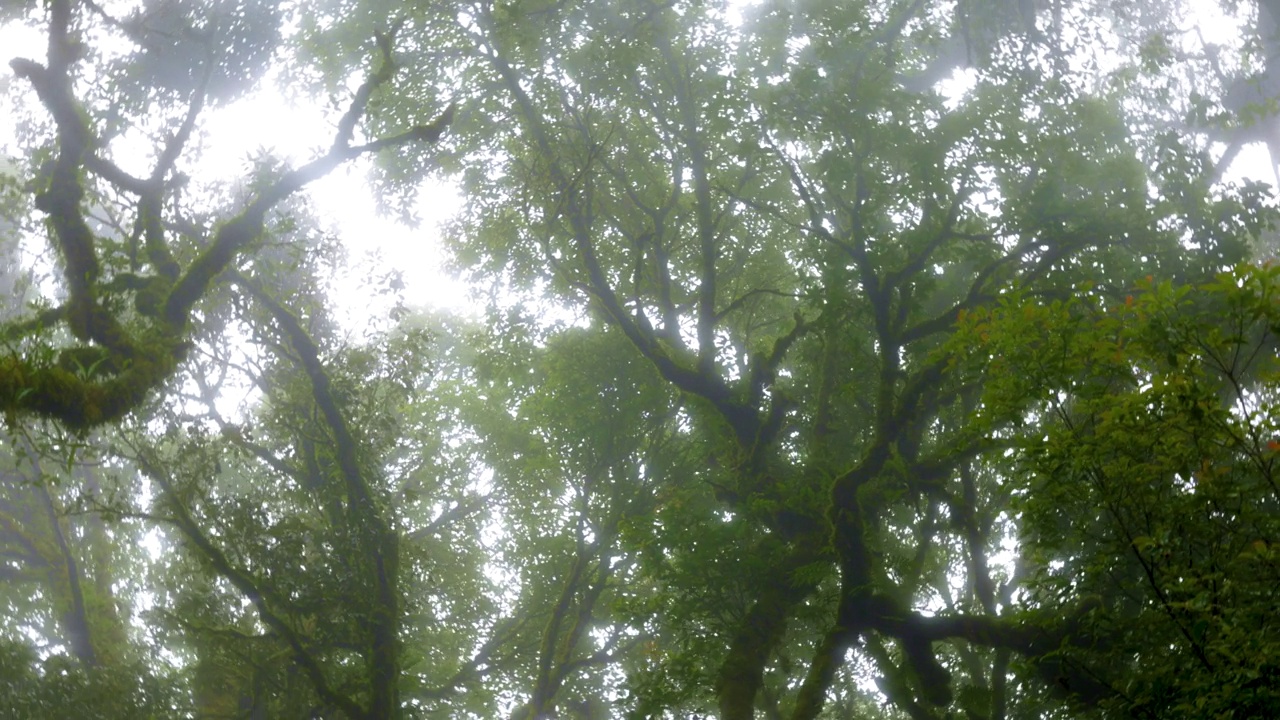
x=19, y=41
x=1253, y=163
x=1215, y=27
x=955, y=88
x=267, y=120
x=417, y=253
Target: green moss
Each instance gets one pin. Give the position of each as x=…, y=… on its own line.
x=88, y=361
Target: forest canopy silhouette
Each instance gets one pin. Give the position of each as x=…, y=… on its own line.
x=824, y=359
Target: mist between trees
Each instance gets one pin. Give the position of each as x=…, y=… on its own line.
x=826, y=360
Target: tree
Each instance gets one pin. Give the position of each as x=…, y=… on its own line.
x=805, y=389
x=1146, y=476
x=787, y=231
x=131, y=297
x=787, y=234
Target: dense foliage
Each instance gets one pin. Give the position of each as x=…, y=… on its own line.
x=827, y=359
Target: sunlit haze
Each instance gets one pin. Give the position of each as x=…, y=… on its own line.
x=267, y=120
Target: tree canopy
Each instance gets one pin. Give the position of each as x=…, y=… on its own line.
x=874, y=359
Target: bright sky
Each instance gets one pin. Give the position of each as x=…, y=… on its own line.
x=267, y=120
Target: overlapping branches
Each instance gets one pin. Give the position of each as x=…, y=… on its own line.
x=119, y=356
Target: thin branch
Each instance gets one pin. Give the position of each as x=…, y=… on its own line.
x=380, y=542
x=248, y=587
